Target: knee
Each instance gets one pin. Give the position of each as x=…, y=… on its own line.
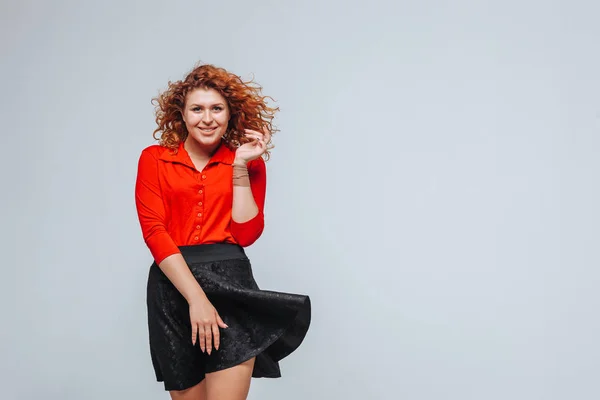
x=197, y=392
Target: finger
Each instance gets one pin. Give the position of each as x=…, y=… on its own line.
x=194, y=333
x=202, y=338
x=251, y=141
x=221, y=323
x=253, y=136
x=216, y=336
x=208, y=333
x=254, y=132
x=261, y=147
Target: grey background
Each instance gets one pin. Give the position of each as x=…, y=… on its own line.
x=434, y=190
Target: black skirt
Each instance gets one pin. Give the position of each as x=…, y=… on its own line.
x=263, y=324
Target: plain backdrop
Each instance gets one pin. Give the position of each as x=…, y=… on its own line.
x=434, y=189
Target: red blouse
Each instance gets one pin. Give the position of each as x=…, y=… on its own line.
x=178, y=205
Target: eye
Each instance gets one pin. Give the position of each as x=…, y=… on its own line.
x=196, y=109
x=218, y=108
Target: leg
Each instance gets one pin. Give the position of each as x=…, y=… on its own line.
x=197, y=392
x=231, y=383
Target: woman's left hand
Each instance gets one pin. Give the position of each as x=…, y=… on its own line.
x=254, y=149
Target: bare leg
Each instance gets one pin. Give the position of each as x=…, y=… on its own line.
x=231, y=383
x=197, y=392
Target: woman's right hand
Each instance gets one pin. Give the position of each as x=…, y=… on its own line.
x=205, y=322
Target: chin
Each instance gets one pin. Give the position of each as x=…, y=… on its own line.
x=206, y=140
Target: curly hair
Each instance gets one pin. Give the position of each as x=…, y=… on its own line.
x=247, y=107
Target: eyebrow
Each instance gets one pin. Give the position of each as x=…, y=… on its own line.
x=212, y=105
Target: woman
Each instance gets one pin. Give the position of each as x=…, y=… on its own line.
x=200, y=194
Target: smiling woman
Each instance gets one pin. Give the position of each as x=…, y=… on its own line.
x=200, y=195
x=246, y=106
x=206, y=118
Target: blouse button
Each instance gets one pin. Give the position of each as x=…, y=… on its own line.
x=203, y=176
x=196, y=238
x=200, y=191
x=200, y=203
x=199, y=215
x=198, y=227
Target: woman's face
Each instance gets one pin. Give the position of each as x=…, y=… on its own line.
x=206, y=116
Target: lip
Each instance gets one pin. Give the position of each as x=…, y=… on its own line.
x=208, y=131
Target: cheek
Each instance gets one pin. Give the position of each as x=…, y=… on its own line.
x=191, y=119
x=224, y=119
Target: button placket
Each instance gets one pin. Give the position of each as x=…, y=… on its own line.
x=199, y=213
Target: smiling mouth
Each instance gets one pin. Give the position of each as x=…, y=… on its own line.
x=208, y=130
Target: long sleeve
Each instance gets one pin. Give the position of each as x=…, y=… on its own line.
x=150, y=209
x=246, y=233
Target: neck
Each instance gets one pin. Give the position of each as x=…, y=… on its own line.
x=197, y=150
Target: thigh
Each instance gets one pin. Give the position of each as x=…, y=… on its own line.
x=197, y=392
x=176, y=360
x=231, y=383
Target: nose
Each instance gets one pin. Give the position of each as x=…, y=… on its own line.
x=207, y=117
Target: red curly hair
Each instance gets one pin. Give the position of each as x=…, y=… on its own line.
x=247, y=107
